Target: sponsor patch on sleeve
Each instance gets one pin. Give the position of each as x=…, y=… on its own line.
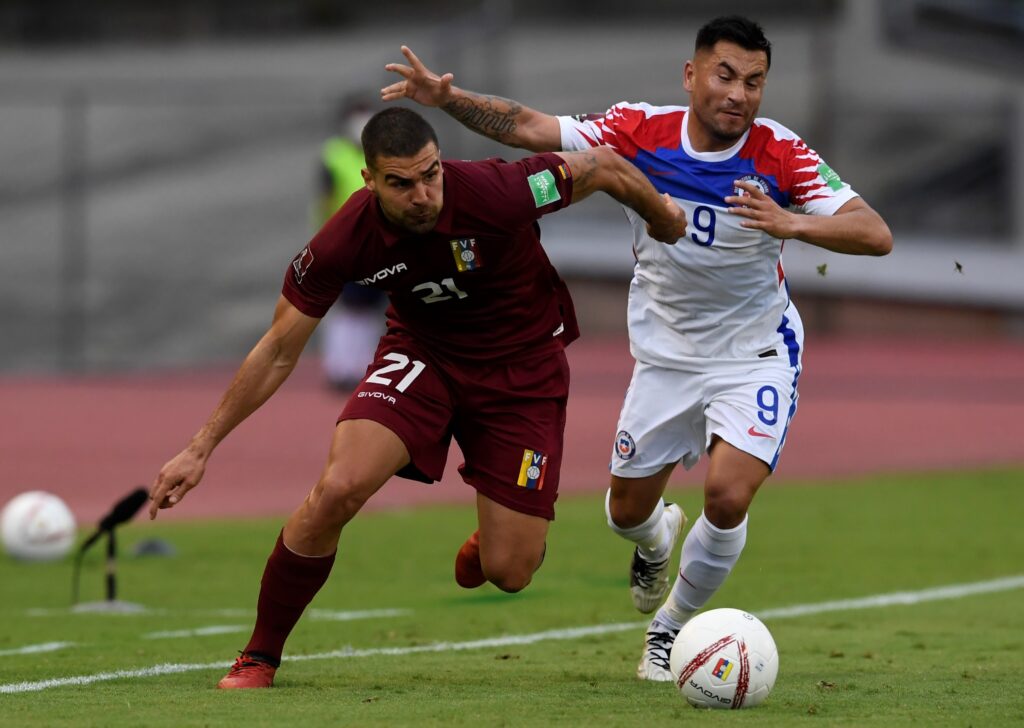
x=542, y=185
x=830, y=177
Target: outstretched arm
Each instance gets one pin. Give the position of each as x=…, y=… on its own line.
x=602, y=169
x=855, y=228
x=500, y=119
x=264, y=369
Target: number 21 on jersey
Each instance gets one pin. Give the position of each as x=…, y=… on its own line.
x=401, y=361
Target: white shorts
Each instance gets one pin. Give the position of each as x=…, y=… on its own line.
x=671, y=415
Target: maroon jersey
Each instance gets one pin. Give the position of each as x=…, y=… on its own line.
x=477, y=286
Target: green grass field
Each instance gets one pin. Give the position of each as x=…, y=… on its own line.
x=951, y=662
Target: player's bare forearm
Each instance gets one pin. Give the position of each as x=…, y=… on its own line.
x=504, y=120
x=264, y=370
x=857, y=231
x=602, y=169
x=254, y=382
x=855, y=228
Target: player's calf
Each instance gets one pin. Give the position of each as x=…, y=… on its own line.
x=509, y=574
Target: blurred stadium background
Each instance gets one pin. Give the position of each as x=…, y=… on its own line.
x=157, y=160
x=158, y=165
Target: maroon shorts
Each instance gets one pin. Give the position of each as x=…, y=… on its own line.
x=509, y=419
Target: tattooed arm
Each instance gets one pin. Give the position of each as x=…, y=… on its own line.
x=602, y=169
x=500, y=119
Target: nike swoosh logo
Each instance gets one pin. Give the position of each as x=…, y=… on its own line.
x=755, y=433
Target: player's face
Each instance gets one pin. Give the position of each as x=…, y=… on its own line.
x=725, y=83
x=410, y=189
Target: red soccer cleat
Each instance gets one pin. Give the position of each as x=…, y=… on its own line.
x=469, y=574
x=248, y=671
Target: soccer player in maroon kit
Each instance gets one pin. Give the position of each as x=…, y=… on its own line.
x=474, y=349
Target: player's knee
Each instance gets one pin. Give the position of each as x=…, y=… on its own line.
x=725, y=505
x=510, y=581
x=627, y=512
x=338, y=497
x=509, y=575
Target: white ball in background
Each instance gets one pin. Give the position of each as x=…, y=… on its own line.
x=37, y=526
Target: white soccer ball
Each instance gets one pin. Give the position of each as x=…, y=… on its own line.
x=724, y=658
x=37, y=526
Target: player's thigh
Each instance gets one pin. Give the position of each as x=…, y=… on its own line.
x=363, y=455
x=751, y=408
x=661, y=423
x=510, y=541
x=404, y=391
x=510, y=427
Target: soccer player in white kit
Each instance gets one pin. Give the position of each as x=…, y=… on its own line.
x=716, y=338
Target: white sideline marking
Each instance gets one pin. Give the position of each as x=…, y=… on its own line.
x=32, y=649
x=953, y=591
x=197, y=632
x=336, y=616
x=318, y=614
x=330, y=614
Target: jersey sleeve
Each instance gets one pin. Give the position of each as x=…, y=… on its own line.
x=316, y=275
x=584, y=131
x=515, y=194
x=814, y=188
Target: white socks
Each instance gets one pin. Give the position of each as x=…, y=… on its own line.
x=651, y=536
x=709, y=553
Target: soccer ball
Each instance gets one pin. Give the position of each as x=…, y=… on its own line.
x=724, y=658
x=37, y=526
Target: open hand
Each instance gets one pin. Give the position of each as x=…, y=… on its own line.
x=420, y=83
x=761, y=212
x=176, y=478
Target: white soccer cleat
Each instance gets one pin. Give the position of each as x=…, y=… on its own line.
x=654, y=665
x=648, y=580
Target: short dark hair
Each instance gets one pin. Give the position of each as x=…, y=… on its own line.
x=744, y=32
x=395, y=132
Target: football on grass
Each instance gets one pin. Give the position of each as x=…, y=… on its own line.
x=724, y=658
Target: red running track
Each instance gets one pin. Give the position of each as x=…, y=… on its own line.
x=866, y=406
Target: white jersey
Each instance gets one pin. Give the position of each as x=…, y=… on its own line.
x=720, y=293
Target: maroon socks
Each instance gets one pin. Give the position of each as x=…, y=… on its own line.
x=289, y=584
